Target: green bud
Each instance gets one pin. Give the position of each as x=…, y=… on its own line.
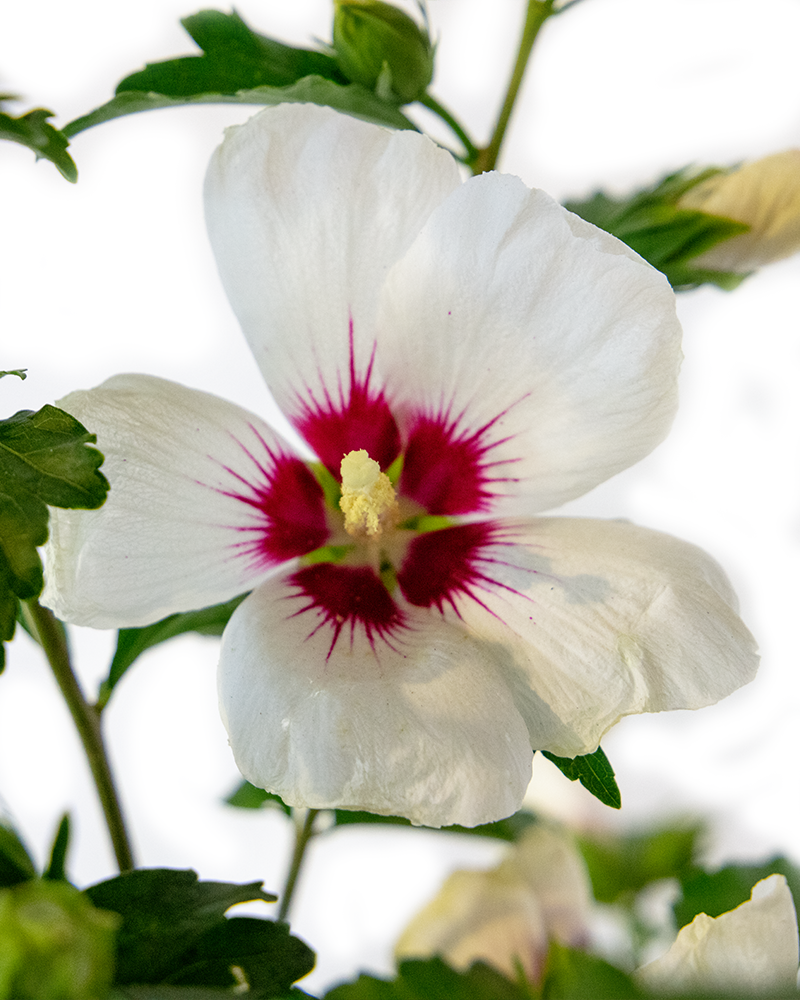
x=54, y=945
x=382, y=48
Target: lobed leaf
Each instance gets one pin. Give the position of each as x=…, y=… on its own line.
x=34, y=131
x=594, y=772
x=165, y=913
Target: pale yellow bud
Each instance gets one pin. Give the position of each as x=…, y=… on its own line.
x=368, y=497
x=765, y=195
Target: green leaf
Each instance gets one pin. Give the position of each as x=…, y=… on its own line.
x=239, y=66
x=622, y=866
x=56, y=869
x=718, y=892
x=432, y=979
x=132, y=642
x=575, y=975
x=44, y=459
x=353, y=99
x=594, y=772
x=247, y=796
x=669, y=237
x=165, y=912
x=234, y=58
x=510, y=829
x=15, y=862
x=19, y=372
x=33, y=130
x=270, y=958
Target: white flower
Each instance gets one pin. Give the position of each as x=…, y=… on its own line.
x=764, y=194
x=495, y=356
x=750, y=950
x=509, y=915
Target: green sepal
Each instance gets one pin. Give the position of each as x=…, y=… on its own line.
x=594, y=772
x=240, y=67
x=165, y=913
x=667, y=236
x=19, y=372
x=723, y=890
x=433, y=979
x=621, y=866
x=48, y=143
x=15, y=862
x=247, y=796
x=132, y=642
x=56, y=870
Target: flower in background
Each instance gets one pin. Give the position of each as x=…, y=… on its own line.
x=765, y=195
x=752, y=950
x=508, y=916
x=460, y=357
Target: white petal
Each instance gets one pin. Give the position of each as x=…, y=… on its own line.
x=171, y=536
x=512, y=312
x=424, y=729
x=750, y=950
x=307, y=209
x=602, y=619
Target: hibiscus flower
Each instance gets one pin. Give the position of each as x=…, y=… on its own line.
x=459, y=357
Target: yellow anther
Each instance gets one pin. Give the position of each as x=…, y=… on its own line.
x=368, y=497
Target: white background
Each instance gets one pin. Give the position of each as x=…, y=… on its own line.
x=115, y=274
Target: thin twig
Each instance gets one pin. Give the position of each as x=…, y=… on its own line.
x=302, y=836
x=52, y=637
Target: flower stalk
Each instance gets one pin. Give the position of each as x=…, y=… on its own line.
x=303, y=834
x=50, y=634
x=537, y=13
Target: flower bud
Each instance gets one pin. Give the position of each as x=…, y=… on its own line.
x=382, y=48
x=764, y=195
x=54, y=945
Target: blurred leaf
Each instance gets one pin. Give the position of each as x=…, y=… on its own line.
x=56, y=869
x=353, y=99
x=575, y=975
x=132, y=642
x=33, y=130
x=510, y=829
x=624, y=865
x=247, y=796
x=594, y=772
x=432, y=979
x=718, y=892
x=165, y=912
x=234, y=58
x=669, y=237
x=19, y=372
x=239, y=66
x=270, y=958
x=15, y=862
x=44, y=459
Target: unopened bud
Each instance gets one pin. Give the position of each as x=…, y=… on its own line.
x=54, y=945
x=381, y=47
x=764, y=195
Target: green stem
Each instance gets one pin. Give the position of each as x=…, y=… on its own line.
x=302, y=836
x=537, y=13
x=471, y=150
x=52, y=637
